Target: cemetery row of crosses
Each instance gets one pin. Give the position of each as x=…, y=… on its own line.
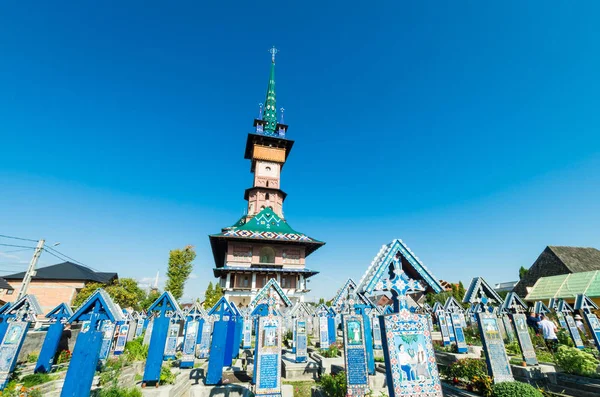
x=264, y=341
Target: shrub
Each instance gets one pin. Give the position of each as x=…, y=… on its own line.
x=466, y=368
x=166, y=376
x=513, y=349
x=512, y=389
x=472, y=336
x=32, y=357
x=331, y=352
x=64, y=357
x=35, y=379
x=334, y=385
x=288, y=335
x=564, y=338
x=115, y=391
x=575, y=361
x=135, y=349
x=483, y=384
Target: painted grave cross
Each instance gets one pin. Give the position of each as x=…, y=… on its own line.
x=267, y=373
x=322, y=314
x=482, y=295
x=355, y=354
x=58, y=316
x=246, y=329
x=238, y=328
x=300, y=314
x=164, y=309
x=442, y=321
x=566, y=310
x=586, y=305
x=19, y=316
x=192, y=327
x=456, y=315
x=172, y=336
x=516, y=308
x=411, y=368
x=98, y=308
x=553, y=306
x=122, y=332
x=206, y=327
x=222, y=312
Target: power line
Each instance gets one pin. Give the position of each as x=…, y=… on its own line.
x=20, y=250
x=18, y=238
x=17, y=246
x=66, y=256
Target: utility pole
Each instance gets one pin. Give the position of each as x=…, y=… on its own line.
x=31, y=269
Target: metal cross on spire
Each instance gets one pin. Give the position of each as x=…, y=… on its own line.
x=273, y=52
x=400, y=285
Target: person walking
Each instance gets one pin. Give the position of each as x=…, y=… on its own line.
x=63, y=344
x=533, y=322
x=548, y=329
x=579, y=324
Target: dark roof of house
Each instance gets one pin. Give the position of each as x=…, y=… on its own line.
x=4, y=284
x=578, y=259
x=67, y=271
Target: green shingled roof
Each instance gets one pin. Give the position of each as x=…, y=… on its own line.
x=265, y=221
x=566, y=286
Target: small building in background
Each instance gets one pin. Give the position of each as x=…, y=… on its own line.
x=5, y=287
x=554, y=261
x=507, y=286
x=53, y=285
x=567, y=287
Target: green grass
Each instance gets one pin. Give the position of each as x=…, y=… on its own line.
x=301, y=388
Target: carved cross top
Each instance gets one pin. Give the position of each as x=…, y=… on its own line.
x=400, y=285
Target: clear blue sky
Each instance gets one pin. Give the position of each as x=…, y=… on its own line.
x=468, y=129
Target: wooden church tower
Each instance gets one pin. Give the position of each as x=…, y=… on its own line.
x=261, y=245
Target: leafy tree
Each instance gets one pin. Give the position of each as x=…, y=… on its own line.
x=218, y=292
x=321, y=301
x=522, y=273
x=125, y=292
x=212, y=295
x=86, y=292
x=149, y=299
x=209, y=296
x=461, y=291
x=441, y=297
x=180, y=268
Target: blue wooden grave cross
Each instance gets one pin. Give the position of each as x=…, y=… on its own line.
x=271, y=371
x=223, y=312
x=586, y=305
x=97, y=308
x=19, y=316
x=515, y=307
x=58, y=316
x=566, y=310
x=406, y=339
x=360, y=306
x=164, y=308
x=172, y=336
x=192, y=329
x=481, y=295
x=238, y=328
x=3, y=317
x=399, y=284
x=455, y=313
x=121, y=333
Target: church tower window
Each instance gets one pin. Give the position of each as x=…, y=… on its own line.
x=267, y=255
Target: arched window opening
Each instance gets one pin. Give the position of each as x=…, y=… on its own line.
x=267, y=255
x=266, y=196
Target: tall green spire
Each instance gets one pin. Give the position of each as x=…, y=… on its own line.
x=270, y=109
